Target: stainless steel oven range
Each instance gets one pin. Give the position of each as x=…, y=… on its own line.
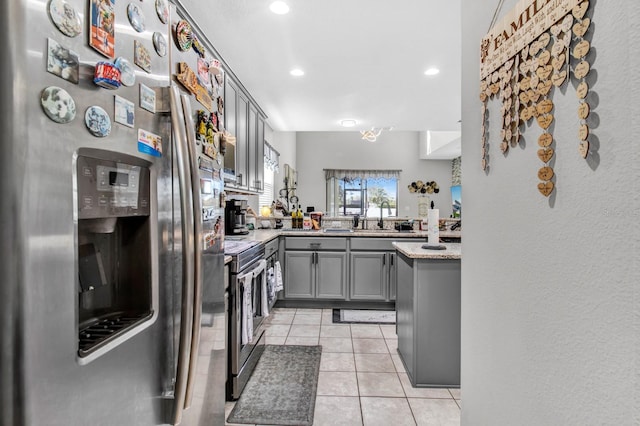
x=246, y=332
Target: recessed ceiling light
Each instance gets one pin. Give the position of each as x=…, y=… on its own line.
x=279, y=7
x=296, y=72
x=348, y=123
x=432, y=71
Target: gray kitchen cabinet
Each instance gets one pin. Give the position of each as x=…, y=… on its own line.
x=255, y=150
x=299, y=277
x=369, y=275
x=315, y=275
x=242, y=141
x=373, y=265
x=244, y=161
x=315, y=268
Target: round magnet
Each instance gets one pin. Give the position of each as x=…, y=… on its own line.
x=184, y=36
x=65, y=18
x=58, y=104
x=162, y=9
x=136, y=17
x=97, y=121
x=127, y=72
x=160, y=44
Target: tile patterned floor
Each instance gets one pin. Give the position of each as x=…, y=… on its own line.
x=362, y=380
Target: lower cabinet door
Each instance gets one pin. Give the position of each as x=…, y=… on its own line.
x=369, y=275
x=299, y=281
x=331, y=274
x=392, y=275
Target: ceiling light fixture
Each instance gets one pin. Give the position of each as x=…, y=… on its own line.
x=279, y=7
x=432, y=71
x=296, y=72
x=371, y=135
x=348, y=123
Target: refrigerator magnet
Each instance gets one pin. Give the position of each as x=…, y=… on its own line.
x=62, y=62
x=147, y=98
x=102, y=28
x=197, y=46
x=58, y=104
x=160, y=44
x=97, y=121
x=65, y=18
x=136, y=17
x=203, y=72
x=162, y=9
x=149, y=143
x=125, y=111
x=183, y=36
x=141, y=56
x=127, y=73
x=106, y=75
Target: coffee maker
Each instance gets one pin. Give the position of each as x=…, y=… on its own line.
x=235, y=216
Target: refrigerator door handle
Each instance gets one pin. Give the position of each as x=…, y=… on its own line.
x=188, y=245
x=198, y=249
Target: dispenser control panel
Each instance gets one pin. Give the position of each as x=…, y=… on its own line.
x=110, y=188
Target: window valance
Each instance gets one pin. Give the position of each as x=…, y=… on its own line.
x=349, y=174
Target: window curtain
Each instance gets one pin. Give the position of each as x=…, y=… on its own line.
x=348, y=174
x=271, y=158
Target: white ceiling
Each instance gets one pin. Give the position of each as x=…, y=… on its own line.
x=363, y=59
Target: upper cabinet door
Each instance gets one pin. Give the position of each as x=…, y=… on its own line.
x=252, y=148
x=242, y=141
x=260, y=155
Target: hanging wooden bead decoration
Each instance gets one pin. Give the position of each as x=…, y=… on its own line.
x=485, y=93
x=580, y=51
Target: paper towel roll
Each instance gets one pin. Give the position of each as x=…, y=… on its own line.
x=433, y=228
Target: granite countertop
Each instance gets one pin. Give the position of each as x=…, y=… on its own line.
x=266, y=235
x=415, y=251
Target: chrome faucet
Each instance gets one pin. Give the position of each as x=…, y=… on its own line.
x=381, y=222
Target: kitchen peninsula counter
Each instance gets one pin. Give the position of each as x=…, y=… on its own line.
x=428, y=313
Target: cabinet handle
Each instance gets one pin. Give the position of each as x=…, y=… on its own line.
x=384, y=259
x=391, y=256
x=315, y=258
x=239, y=179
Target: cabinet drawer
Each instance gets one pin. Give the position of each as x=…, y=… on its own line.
x=379, y=244
x=322, y=243
x=270, y=248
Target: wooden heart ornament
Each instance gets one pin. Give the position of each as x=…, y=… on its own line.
x=545, y=173
x=545, y=140
x=583, y=133
x=544, y=40
x=534, y=95
x=557, y=48
x=581, y=70
x=535, y=80
x=545, y=154
x=504, y=147
x=581, y=28
x=558, y=78
x=544, y=87
x=556, y=30
x=566, y=24
x=582, y=90
x=545, y=188
x=580, y=10
x=545, y=120
x=558, y=62
x=583, y=111
x=544, y=57
x=545, y=106
x=583, y=148
x=581, y=49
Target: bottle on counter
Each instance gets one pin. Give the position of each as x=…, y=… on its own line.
x=294, y=219
x=299, y=216
x=306, y=222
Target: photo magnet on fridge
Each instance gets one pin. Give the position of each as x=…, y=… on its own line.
x=141, y=56
x=125, y=111
x=102, y=34
x=147, y=98
x=62, y=62
x=149, y=143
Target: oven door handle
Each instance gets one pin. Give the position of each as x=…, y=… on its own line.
x=187, y=217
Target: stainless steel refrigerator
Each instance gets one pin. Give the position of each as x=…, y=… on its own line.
x=112, y=298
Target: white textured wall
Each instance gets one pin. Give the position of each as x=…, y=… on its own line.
x=346, y=150
x=285, y=144
x=550, y=302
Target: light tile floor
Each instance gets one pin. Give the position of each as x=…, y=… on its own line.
x=362, y=380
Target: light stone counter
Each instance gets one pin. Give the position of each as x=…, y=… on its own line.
x=415, y=251
x=266, y=235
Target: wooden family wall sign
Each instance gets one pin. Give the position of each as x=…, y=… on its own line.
x=534, y=48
